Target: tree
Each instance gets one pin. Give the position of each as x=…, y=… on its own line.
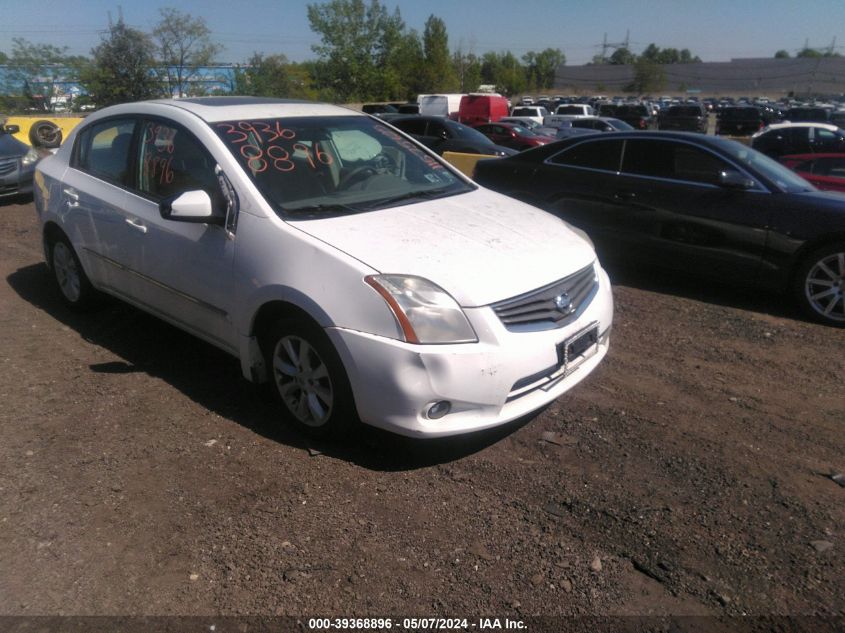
x=622, y=56
x=36, y=72
x=655, y=54
x=183, y=47
x=782, y=54
x=264, y=77
x=467, y=68
x=121, y=69
x=352, y=40
x=648, y=76
x=438, y=72
x=541, y=67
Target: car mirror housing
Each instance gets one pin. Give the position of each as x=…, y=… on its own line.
x=190, y=206
x=731, y=179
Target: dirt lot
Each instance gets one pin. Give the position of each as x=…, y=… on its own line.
x=139, y=474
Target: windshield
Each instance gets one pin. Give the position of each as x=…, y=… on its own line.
x=307, y=167
x=784, y=179
x=462, y=131
x=618, y=124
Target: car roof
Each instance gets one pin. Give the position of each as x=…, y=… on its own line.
x=811, y=156
x=213, y=109
x=779, y=126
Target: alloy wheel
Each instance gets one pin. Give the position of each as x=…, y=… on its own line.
x=303, y=380
x=67, y=272
x=824, y=287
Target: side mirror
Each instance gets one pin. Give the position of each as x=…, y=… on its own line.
x=190, y=206
x=730, y=179
x=12, y=129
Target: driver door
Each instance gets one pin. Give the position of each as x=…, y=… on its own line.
x=183, y=270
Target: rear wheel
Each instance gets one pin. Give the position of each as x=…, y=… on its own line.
x=309, y=379
x=74, y=287
x=820, y=285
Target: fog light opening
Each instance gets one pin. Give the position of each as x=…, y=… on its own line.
x=438, y=410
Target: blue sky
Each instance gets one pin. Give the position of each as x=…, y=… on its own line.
x=715, y=30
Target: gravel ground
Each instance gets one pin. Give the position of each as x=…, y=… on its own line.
x=689, y=475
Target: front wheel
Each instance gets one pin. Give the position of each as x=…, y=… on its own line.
x=309, y=379
x=820, y=285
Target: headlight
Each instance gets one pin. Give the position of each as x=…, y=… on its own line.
x=30, y=157
x=425, y=312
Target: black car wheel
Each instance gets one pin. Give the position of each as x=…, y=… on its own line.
x=309, y=378
x=820, y=284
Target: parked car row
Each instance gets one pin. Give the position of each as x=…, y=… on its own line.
x=366, y=279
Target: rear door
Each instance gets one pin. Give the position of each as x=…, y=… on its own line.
x=94, y=194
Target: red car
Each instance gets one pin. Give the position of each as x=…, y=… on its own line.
x=512, y=135
x=825, y=171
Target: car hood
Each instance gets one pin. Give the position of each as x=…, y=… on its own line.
x=10, y=146
x=481, y=247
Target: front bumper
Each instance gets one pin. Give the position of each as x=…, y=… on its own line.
x=505, y=376
x=15, y=178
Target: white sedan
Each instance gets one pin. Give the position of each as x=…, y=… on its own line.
x=337, y=258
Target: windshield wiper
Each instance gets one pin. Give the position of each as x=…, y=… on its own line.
x=422, y=194
x=316, y=210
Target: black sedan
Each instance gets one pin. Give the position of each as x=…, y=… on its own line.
x=700, y=204
x=17, y=163
x=444, y=135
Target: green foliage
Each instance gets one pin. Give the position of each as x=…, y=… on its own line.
x=782, y=54
x=622, y=56
x=467, y=69
x=813, y=53
x=121, y=68
x=540, y=67
x=263, y=77
x=353, y=42
x=648, y=76
x=437, y=70
x=655, y=54
x=34, y=70
x=504, y=71
x=184, y=46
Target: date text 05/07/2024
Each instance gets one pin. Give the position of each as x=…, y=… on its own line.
x=415, y=624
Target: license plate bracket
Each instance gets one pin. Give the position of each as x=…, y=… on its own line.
x=578, y=347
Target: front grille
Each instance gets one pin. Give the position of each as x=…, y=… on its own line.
x=552, y=306
x=8, y=165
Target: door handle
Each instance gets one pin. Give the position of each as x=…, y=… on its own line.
x=625, y=195
x=72, y=197
x=136, y=224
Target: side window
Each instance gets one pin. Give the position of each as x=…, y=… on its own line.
x=103, y=150
x=416, y=127
x=438, y=130
x=602, y=155
x=676, y=161
x=172, y=161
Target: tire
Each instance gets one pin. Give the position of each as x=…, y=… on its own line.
x=45, y=134
x=75, y=289
x=819, y=285
x=308, y=377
